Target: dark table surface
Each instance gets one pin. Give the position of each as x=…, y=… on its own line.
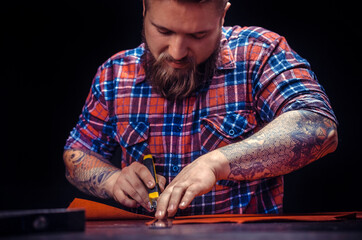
x=137, y=230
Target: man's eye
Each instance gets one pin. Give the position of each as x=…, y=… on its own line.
x=199, y=35
x=164, y=32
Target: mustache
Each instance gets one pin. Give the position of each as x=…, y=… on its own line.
x=164, y=57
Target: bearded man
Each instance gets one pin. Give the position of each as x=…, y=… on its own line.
x=225, y=111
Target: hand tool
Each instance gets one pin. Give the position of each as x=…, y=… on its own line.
x=155, y=192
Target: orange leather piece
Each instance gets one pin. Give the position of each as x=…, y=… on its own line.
x=260, y=218
x=99, y=211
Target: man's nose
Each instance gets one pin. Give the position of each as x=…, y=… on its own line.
x=178, y=48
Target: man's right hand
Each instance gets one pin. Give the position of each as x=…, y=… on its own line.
x=129, y=186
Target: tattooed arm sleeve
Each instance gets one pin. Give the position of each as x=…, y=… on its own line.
x=289, y=142
x=88, y=171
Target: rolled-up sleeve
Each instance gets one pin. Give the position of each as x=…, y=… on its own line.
x=94, y=129
x=285, y=82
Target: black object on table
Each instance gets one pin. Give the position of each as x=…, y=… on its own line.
x=41, y=220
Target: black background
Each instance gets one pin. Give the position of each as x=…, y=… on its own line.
x=50, y=52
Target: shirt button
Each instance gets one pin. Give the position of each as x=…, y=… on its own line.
x=231, y=132
x=175, y=168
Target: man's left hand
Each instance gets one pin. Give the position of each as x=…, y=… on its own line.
x=196, y=179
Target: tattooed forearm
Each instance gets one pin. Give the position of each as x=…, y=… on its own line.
x=288, y=143
x=88, y=171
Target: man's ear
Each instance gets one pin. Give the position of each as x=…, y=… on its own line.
x=144, y=8
x=227, y=6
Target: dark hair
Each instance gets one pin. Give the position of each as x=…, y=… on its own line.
x=220, y=4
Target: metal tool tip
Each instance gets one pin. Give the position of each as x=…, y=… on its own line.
x=153, y=204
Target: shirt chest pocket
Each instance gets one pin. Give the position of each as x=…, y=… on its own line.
x=132, y=136
x=223, y=129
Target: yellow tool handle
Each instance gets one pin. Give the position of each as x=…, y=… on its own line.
x=153, y=193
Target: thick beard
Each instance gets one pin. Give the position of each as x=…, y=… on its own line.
x=177, y=84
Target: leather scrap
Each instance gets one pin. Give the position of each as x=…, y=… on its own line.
x=100, y=211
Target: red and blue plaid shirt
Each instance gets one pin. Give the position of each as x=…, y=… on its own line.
x=258, y=77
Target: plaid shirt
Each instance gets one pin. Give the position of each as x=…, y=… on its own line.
x=258, y=77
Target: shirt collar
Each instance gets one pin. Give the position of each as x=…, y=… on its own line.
x=225, y=59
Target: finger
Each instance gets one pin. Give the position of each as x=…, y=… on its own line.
x=145, y=175
x=123, y=199
x=187, y=198
x=161, y=182
x=175, y=198
x=162, y=204
x=137, y=191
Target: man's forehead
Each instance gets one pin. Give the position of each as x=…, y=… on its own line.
x=165, y=27
x=171, y=14
x=148, y=3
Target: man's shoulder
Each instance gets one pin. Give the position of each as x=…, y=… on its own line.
x=249, y=34
x=125, y=57
x=122, y=68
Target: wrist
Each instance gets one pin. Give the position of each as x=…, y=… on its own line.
x=218, y=163
x=111, y=182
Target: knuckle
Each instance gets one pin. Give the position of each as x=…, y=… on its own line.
x=132, y=193
x=129, y=203
x=161, y=178
x=121, y=198
x=137, y=185
x=120, y=180
x=178, y=189
x=164, y=197
x=118, y=193
x=126, y=170
x=145, y=174
x=122, y=201
x=190, y=194
x=192, y=190
x=136, y=165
